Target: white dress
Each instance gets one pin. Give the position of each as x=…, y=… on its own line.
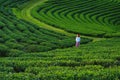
x=77, y=39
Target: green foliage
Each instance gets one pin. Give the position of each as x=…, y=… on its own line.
x=15, y=53
x=24, y=47
x=27, y=37
x=2, y=25
x=6, y=69
x=4, y=50
x=89, y=61
x=13, y=45
x=81, y=16
x=17, y=76
x=36, y=48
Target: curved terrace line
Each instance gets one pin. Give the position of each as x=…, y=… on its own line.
x=25, y=14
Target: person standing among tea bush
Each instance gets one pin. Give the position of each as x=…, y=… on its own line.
x=77, y=40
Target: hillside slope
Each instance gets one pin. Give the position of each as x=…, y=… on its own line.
x=97, y=60
x=37, y=39
x=96, y=18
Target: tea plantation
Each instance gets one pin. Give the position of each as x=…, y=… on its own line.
x=37, y=39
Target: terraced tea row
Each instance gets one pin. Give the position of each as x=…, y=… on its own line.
x=66, y=74
x=19, y=36
x=21, y=41
x=86, y=62
x=80, y=16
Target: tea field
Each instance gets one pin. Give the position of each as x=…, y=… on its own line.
x=37, y=40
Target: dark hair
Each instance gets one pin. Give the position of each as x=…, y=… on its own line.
x=78, y=35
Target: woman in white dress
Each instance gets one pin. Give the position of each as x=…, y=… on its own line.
x=77, y=40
